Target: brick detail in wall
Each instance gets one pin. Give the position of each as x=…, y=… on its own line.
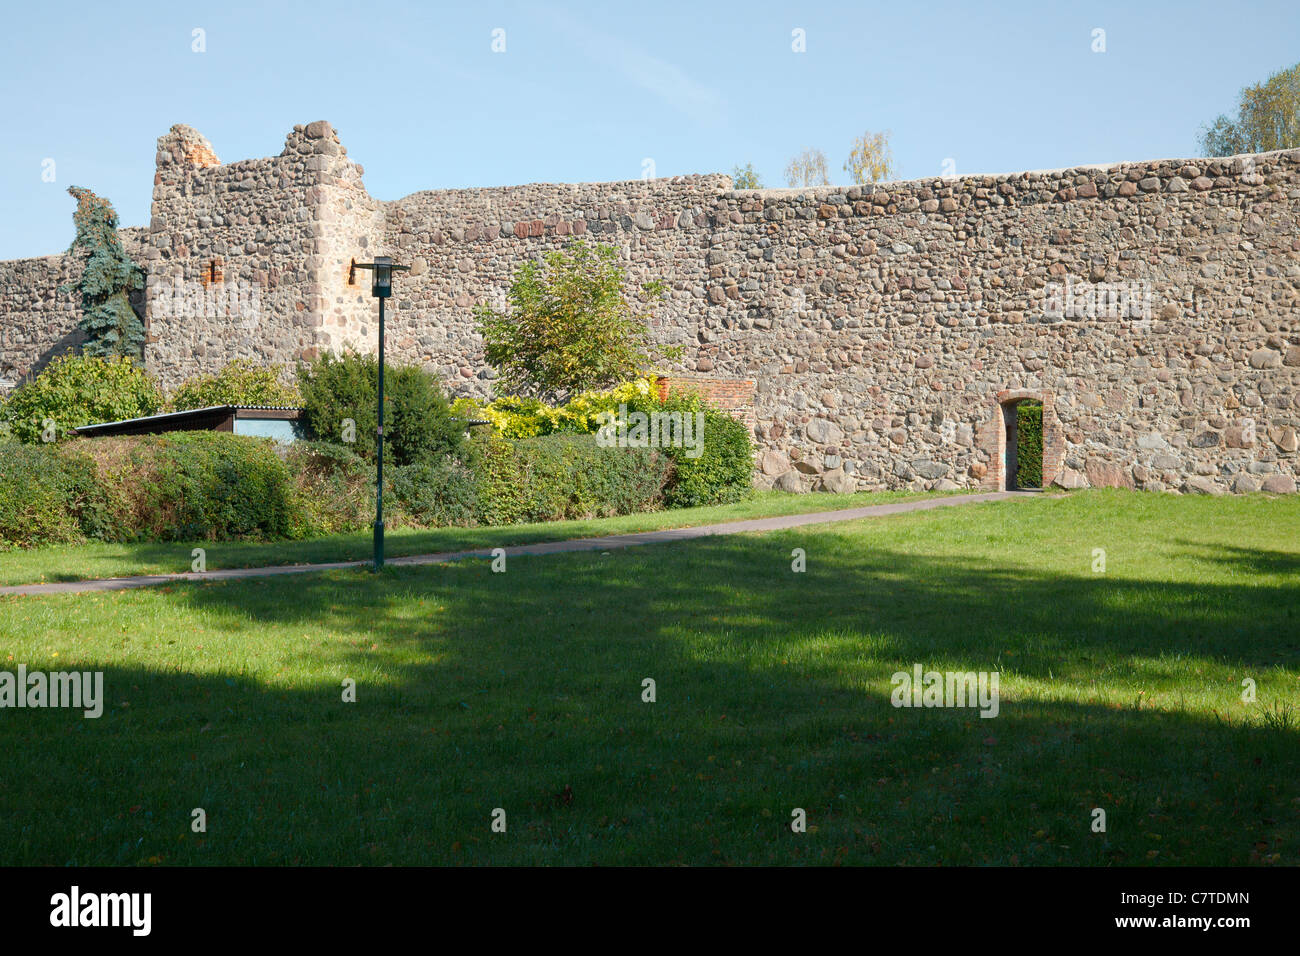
x=990, y=467
x=733, y=395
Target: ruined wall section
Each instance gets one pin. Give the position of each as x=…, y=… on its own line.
x=277, y=227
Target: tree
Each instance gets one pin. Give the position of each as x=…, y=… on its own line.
x=239, y=383
x=871, y=160
x=109, y=276
x=744, y=177
x=1268, y=118
x=418, y=422
x=75, y=390
x=570, y=327
x=807, y=169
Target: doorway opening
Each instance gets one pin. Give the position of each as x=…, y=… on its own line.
x=1024, y=454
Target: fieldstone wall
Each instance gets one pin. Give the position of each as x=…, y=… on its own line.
x=887, y=330
x=37, y=321
x=284, y=228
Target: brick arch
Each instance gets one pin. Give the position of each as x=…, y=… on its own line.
x=992, y=439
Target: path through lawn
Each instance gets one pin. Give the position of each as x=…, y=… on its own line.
x=522, y=690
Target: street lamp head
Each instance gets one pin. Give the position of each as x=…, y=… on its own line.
x=382, y=285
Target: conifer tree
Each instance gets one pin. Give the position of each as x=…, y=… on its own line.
x=107, y=280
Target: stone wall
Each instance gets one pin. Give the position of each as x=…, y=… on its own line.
x=37, y=321
x=887, y=329
x=286, y=228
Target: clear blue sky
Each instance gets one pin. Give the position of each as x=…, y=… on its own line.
x=588, y=91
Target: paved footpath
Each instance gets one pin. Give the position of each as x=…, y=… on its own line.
x=550, y=547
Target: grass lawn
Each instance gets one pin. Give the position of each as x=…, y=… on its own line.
x=100, y=560
x=522, y=690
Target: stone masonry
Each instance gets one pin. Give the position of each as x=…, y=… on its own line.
x=888, y=330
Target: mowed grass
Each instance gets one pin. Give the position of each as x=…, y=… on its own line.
x=522, y=690
x=98, y=559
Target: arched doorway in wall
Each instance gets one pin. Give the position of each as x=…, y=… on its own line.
x=999, y=438
x=1023, y=420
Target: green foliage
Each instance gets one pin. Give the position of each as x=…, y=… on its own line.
x=335, y=489
x=744, y=177
x=37, y=486
x=1029, y=445
x=182, y=486
x=109, y=276
x=723, y=471
x=437, y=493
x=418, y=422
x=78, y=390
x=571, y=326
x=563, y=476
x=1268, y=118
x=239, y=383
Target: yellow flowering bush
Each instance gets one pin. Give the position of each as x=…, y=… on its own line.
x=515, y=417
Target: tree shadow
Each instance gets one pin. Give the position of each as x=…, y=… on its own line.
x=523, y=691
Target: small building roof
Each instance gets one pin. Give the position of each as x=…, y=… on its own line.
x=189, y=419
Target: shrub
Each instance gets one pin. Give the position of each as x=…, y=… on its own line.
x=1029, y=445
x=563, y=476
x=239, y=383
x=36, y=488
x=722, y=472
x=334, y=486
x=436, y=493
x=78, y=390
x=181, y=486
x=418, y=425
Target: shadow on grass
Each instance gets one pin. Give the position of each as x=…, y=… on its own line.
x=523, y=691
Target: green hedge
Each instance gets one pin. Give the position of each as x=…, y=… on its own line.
x=557, y=477
x=1029, y=445
x=180, y=487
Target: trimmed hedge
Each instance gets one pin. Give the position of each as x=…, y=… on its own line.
x=564, y=476
x=1029, y=445
x=183, y=486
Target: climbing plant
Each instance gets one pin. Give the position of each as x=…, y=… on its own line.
x=108, y=277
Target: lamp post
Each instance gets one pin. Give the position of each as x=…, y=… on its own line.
x=381, y=288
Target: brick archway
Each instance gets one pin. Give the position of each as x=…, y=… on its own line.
x=993, y=436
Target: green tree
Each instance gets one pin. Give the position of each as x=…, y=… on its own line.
x=571, y=325
x=78, y=390
x=107, y=280
x=744, y=177
x=807, y=169
x=418, y=422
x=239, y=383
x=1268, y=118
x=871, y=160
